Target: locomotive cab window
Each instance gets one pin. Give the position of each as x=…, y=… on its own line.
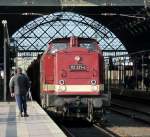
x=55, y=47
x=90, y=46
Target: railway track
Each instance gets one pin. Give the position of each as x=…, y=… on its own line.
x=87, y=130
x=117, y=126
x=131, y=111
x=81, y=128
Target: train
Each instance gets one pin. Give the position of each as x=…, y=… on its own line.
x=71, y=78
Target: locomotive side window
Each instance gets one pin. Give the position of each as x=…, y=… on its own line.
x=57, y=47
x=89, y=46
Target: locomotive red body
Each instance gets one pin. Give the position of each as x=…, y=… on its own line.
x=71, y=77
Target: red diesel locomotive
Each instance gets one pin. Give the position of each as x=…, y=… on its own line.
x=71, y=78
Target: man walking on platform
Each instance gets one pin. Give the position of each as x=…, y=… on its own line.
x=19, y=85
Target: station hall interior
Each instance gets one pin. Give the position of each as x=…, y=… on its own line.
x=121, y=28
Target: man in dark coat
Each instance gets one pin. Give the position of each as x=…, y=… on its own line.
x=19, y=85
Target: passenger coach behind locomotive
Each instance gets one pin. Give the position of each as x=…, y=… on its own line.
x=71, y=73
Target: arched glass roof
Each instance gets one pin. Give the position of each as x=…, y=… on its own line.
x=34, y=36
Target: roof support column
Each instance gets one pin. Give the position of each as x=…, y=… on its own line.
x=6, y=60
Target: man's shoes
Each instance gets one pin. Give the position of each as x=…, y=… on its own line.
x=20, y=115
x=26, y=115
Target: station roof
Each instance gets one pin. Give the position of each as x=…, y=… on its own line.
x=71, y=2
x=127, y=19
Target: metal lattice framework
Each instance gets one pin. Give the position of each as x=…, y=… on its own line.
x=33, y=38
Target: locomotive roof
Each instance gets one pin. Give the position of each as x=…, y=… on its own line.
x=79, y=38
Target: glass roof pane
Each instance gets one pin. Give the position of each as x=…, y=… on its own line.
x=64, y=24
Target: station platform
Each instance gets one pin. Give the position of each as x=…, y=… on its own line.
x=38, y=124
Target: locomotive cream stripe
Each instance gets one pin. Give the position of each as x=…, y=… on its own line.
x=73, y=88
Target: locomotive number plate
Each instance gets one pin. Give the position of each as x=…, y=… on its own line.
x=78, y=67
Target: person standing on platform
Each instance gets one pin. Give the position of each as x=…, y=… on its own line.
x=19, y=85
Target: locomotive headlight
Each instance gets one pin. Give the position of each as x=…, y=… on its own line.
x=93, y=85
x=93, y=82
x=94, y=88
x=61, y=82
x=77, y=58
x=62, y=88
